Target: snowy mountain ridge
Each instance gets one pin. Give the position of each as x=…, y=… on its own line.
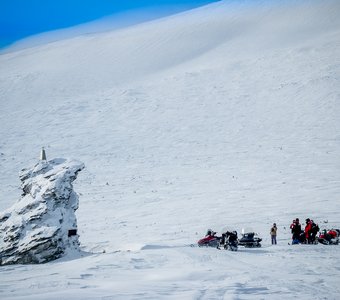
x=226, y=116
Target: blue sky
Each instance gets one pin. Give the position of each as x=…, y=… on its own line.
x=22, y=18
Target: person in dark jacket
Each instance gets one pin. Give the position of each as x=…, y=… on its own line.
x=313, y=232
x=296, y=231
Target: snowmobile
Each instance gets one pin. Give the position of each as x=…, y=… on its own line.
x=210, y=240
x=250, y=240
x=229, y=241
x=329, y=237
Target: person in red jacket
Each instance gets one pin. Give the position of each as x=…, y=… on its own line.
x=308, y=229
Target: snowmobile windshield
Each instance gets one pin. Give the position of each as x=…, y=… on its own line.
x=228, y=228
x=247, y=230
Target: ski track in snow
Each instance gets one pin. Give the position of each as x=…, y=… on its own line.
x=222, y=117
x=183, y=272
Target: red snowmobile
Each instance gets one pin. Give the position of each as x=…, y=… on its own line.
x=227, y=241
x=210, y=240
x=329, y=237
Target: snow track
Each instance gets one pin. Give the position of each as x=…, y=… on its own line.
x=195, y=273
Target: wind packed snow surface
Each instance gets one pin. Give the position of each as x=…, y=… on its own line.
x=226, y=116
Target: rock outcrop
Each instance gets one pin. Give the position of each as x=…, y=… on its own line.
x=42, y=225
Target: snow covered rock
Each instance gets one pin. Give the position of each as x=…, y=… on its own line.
x=42, y=225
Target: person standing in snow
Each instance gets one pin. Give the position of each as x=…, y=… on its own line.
x=296, y=231
x=313, y=232
x=308, y=229
x=273, y=232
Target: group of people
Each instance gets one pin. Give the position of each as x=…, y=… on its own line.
x=306, y=236
x=299, y=235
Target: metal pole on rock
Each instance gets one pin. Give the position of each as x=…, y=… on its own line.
x=42, y=154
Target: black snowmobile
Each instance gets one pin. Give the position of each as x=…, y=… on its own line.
x=250, y=240
x=229, y=240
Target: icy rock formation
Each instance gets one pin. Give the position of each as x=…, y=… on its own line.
x=42, y=225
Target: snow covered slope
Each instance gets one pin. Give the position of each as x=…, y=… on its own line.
x=223, y=116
